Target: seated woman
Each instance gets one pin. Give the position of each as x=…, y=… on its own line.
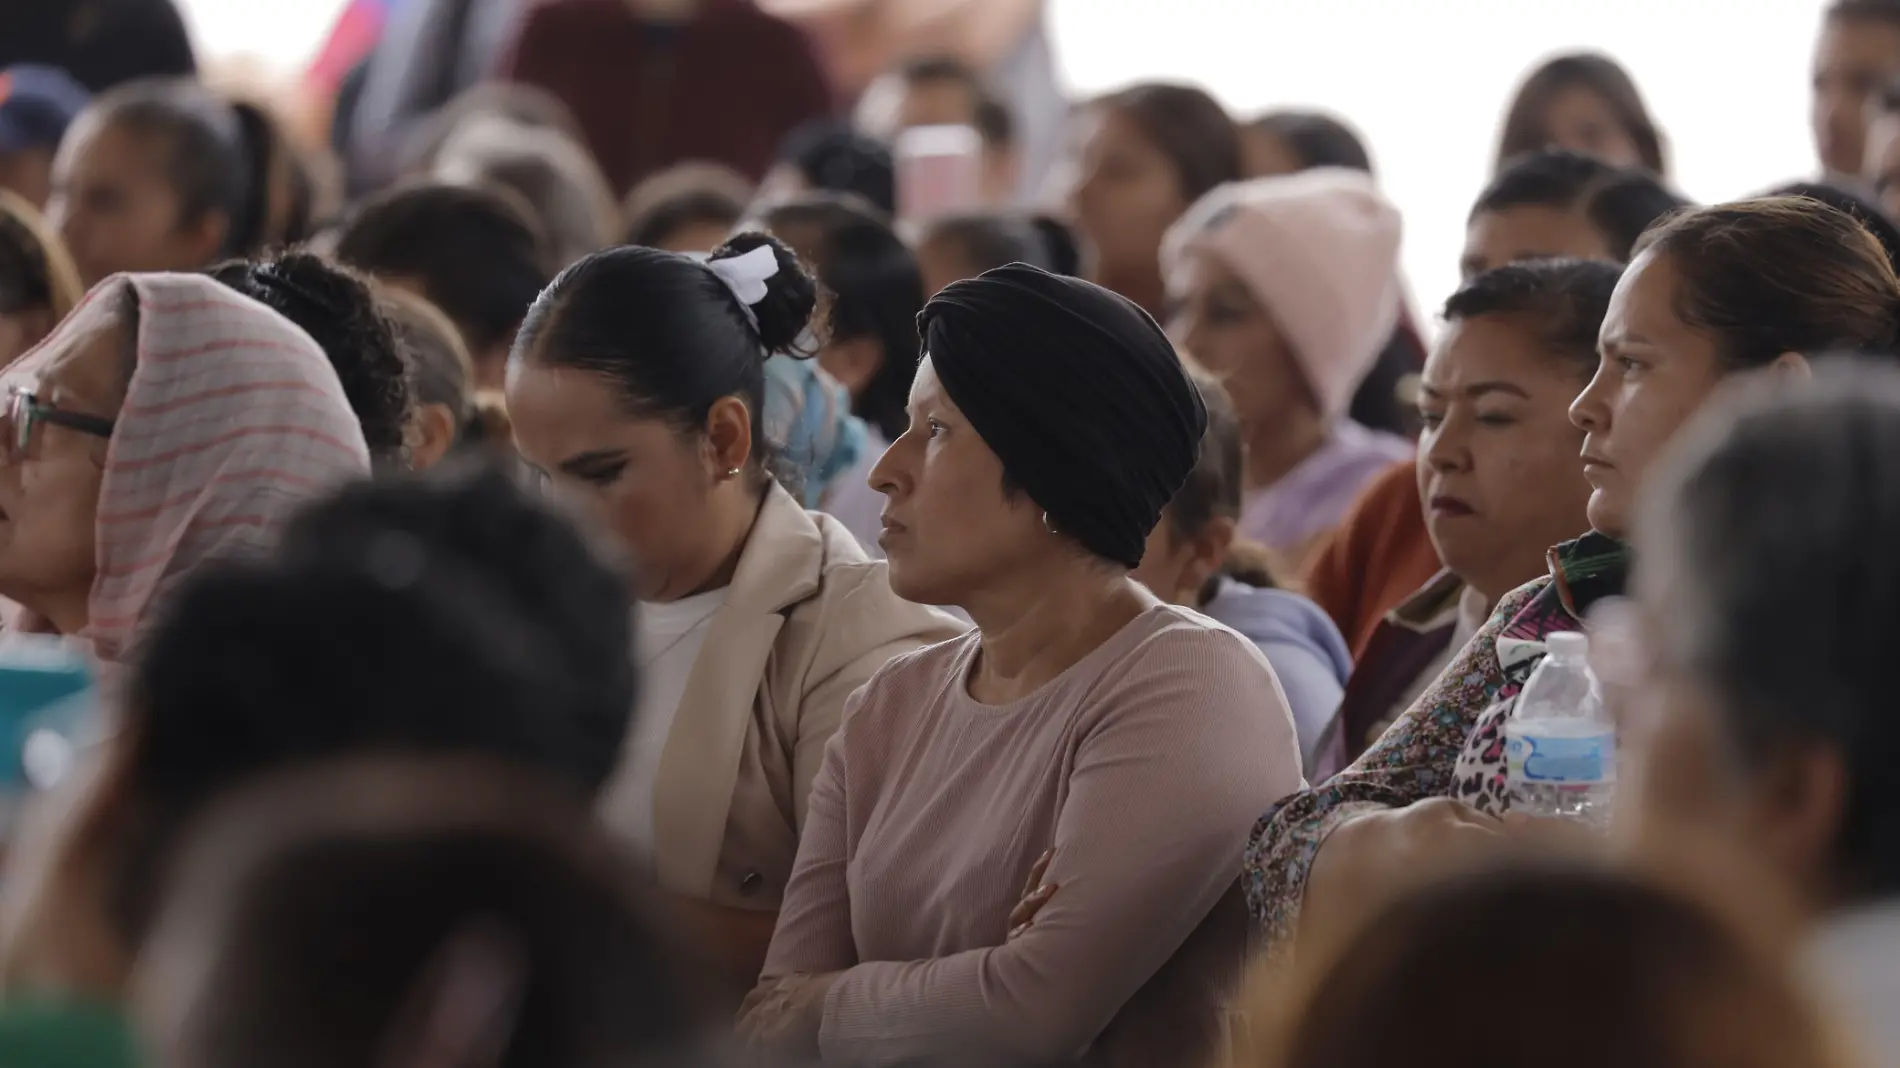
x=1194, y=559
x=166, y=422
x=1547, y=204
x=1761, y=709
x=1051, y=422
x=38, y=284
x=1752, y=287
x=164, y=176
x=342, y=315
x=1497, y=469
x=1288, y=290
x=441, y=375
x=637, y=385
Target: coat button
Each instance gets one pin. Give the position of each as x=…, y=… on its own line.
x=750, y=884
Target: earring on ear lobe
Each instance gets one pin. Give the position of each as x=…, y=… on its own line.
x=1047, y=525
x=732, y=473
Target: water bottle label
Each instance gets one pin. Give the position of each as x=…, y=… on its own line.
x=1561, y=761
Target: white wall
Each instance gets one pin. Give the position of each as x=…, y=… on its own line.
x=1425, y=80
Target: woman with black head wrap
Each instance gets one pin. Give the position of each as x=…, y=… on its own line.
x=1087, y=741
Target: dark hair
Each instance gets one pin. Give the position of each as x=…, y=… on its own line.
x=991, y=116
x=682, y=196
x=1620, y=202
x=876, y=292
x=328, y=904
x=1318, y=139
x=337, y=309
x=440, y=371
x=1864, y=211
x=425, y=616
x=1562, y=301
x=1786, y=610
x=219, y=155
x=476, y=254
x=1780, y=274
x=668, y=334
x=35, y=269
x=986, y=240
x=1669, y=982
x=1524, y=129
x=1189, y=127
x=1214, y=488
x=833, y=157
x=552, y=173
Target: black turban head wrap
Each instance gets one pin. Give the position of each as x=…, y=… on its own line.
x=1077, y=391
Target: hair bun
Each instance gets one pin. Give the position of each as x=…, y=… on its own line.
x=791, y=295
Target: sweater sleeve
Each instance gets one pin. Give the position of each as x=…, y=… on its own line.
x=813, y=934
x=1191, y=736
x=1414, y=760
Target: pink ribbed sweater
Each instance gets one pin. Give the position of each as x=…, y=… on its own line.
x=1144, y=766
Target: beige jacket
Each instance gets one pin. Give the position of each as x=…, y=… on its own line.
x=807, y=620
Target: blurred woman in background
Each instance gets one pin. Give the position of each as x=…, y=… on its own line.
x=1587, y=103
x=38, y=284
x=550, y=171
x=1755, y=287
x=441, y=377
x=165, y=176
x=954, y=247
x=638, y=386
x=871, y=297
x=1288, y=142
x=1195, y=558
x=1148, y=152
x=1287, y=290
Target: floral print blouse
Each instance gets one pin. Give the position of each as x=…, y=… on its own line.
x=1449, y=744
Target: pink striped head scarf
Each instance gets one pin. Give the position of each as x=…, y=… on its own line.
x=233, y=418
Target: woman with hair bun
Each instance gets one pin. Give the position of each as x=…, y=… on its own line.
x=637, y=385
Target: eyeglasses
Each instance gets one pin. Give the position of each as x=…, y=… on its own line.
x=24, y=410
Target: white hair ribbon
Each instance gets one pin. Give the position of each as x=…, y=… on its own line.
x=746, y=276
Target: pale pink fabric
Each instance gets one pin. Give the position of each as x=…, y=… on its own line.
x=1320, y=251
x=1144, y=767
x=233, y=418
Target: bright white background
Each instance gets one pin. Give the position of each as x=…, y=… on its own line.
x=1424, y=80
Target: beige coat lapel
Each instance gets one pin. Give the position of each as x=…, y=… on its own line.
x=692, y=796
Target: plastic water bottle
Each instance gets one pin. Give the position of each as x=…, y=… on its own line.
x=1560, y=745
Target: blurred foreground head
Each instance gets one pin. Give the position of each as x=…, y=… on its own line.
x=409, y=914
x=1557, y=965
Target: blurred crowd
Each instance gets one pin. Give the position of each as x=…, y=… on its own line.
x=714, y=532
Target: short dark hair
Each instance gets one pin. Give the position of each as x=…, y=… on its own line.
x=876, y=292
x=477, y=256
x=331, y=901
x=991, y=115
x=1563, y=301
x=1524, y=129
x=441, y=615
x=342, y=315
x=986, y=240
x=1189, y=127
x=668, y=334
x=1780, y=274
x=1786, y=612
x=833, y=157
x=684, y=195
x=1620, y=202
x=1318, y=139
